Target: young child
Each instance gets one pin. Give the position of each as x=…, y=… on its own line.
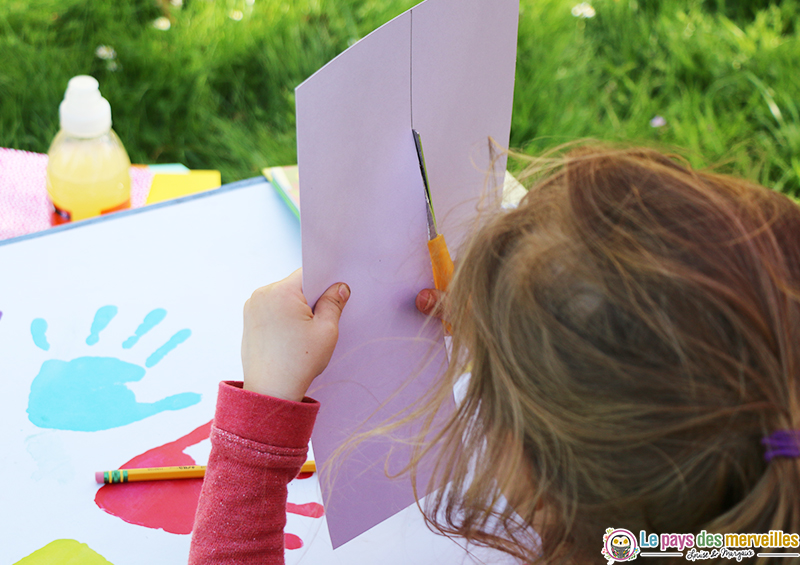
x=631, y=331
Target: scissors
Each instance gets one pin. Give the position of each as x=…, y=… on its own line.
x=440, y=256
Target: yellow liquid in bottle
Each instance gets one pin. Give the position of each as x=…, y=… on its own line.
x=88, y=177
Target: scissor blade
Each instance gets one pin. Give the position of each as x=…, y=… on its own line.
x=432, y=232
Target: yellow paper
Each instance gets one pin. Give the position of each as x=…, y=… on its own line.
x=64, y=552
x=167, y=186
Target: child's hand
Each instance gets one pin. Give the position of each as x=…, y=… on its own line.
x=285, y=345
x=431, y=302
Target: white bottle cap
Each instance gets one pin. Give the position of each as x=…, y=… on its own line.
x=84, y=112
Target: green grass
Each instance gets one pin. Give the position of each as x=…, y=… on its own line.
x=216, y=92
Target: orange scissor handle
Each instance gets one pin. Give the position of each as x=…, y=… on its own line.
x=441, y=261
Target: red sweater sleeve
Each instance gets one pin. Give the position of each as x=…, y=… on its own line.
x=258, y=444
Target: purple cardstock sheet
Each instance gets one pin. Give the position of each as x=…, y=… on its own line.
x=464, y=58
x=448, y=65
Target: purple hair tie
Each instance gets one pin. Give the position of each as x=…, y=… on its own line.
x=782, y=443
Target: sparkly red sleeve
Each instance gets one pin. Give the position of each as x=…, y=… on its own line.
x=258, y=444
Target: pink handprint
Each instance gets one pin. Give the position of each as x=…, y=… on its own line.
x=171, y=505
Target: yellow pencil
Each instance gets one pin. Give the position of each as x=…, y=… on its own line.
x=166, y=473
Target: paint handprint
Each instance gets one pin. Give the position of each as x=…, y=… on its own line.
x=89, y=393
x=171, y=505
x=165, y=505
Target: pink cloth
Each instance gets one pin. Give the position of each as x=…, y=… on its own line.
x=23, y=192
x=258, y=445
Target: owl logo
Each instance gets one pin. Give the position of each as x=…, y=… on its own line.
x=619, y=545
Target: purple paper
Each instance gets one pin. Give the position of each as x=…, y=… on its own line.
x=363, y=220
x=464, y=57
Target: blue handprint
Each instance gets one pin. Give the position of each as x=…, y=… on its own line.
x=89, y=393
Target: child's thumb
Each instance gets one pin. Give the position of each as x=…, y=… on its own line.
x=330, y=305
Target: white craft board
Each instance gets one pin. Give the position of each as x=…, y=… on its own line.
x=198, y=258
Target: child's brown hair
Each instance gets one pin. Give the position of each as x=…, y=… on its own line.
x=631, y=331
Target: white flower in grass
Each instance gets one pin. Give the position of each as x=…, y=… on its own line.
x=176, y=3
x=235, y=15
x=658, y=122
x=112, y=66
x=583, y=10
x=162, y=23
x=105, y=52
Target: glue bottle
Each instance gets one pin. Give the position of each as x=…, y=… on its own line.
x=88, y=171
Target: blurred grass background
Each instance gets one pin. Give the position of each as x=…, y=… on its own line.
x=718, y=78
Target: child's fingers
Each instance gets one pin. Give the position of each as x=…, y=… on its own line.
x=330, y=305
x=431, y=302
x=295, y=280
